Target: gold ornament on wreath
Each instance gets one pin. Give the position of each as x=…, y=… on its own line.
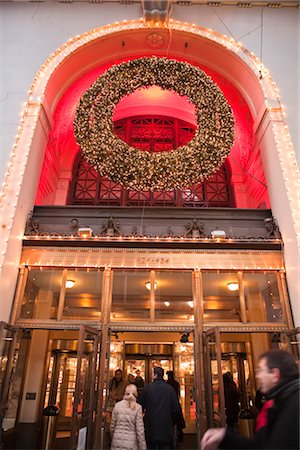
x=141, y=170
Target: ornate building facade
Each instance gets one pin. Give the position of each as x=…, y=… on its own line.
x=104, y=268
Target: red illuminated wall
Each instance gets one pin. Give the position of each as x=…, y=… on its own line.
x=248, y=181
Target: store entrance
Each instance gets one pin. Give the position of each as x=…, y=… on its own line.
x=144, y=357
x=71, y=387
x=142, y=351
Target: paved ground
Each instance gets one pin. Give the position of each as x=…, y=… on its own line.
x=189, y=442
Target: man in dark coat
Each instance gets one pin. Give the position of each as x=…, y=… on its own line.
x=172, y=382
x=162, y=410
x=232, y=397
x=277, y=375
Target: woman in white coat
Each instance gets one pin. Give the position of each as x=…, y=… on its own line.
x=127, y=426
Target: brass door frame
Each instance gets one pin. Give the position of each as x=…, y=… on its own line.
x=212, y=336
x=87, y=416
x=291, y=339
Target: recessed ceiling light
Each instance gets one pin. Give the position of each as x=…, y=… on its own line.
x=148, y=285
x=70, y=284
x=233, y=286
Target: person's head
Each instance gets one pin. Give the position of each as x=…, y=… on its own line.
x=131, y=378
x=273, y=367
x=158, y=373
x=118, y=374
x=130, y=394
x=170, y=374
x=138, y=373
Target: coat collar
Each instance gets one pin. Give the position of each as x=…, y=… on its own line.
x=284, y=389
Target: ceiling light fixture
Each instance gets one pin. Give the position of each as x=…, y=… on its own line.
x=167, y=303
x=233, y=286
x=218, y=234
x=184, y=338
x=70, y=284
x=148, y=285
x=85, y=232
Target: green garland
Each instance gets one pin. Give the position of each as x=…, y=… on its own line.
x=141, y=170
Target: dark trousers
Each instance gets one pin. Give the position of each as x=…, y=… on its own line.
x=158, y=445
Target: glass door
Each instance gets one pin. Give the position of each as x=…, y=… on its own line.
x=214, y=381
x=145, y=364
x=85, y=395
x=71, y=385
x=8, y=358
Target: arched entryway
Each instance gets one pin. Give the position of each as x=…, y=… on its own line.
x=84, y=54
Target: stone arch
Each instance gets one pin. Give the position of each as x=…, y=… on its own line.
x=185, y=41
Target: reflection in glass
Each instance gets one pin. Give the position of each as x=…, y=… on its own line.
x=262, y=297
x=83, y=299
x=16, y=366
x=41, y=294
x=220, y=303
x=131, y=298
x=174, y=296
x=184, y=373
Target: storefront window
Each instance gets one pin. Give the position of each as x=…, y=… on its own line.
x=41, y=294
x=131, y=297
x=174, y=296
x=83, y=298
x=262, y=297
x=221, y=296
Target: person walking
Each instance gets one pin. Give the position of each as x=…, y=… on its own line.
x=116, y=389
x=162, y=411
x=277, y=375
x=139, y=382
x=131, y=378
x=127, y=426
x=232, y=397
x=172, y=382
x=180, y=425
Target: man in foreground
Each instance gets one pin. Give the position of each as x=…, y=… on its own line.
x=162, y=412
x=277, y=375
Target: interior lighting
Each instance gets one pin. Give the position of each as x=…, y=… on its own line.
x=69, y=284
x=233, y=286
x=215, y=234
x=85, y=232
x=148, y=285
x=191, y=304
x=167, y=304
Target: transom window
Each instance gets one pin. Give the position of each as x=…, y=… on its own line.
x=153, y=134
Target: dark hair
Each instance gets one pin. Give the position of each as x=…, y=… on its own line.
x=170, y=374
x=282, y=360
x=159, y=372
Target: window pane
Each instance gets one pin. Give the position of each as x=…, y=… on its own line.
x=262, y=297
x=83, y=299
x=41, y=294
x=173, y=296
x=131, y=298
x=220, y=303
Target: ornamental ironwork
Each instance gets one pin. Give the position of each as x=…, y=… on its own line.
x=141, y=170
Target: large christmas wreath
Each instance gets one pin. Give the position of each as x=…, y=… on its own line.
x=141, y=170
